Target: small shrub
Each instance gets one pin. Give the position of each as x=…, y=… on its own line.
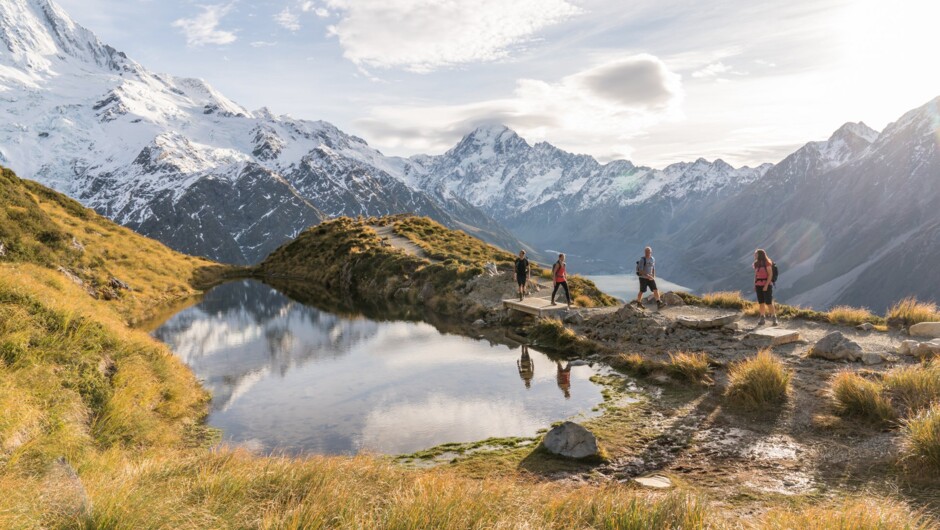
x=583, y=301
x=922, y=436
x=635, y=364
x=851, y=316
x=692, y=367
x=759, y=382
x=726, y=300
x=912, y=311
x=856, y=396
x=915, y=387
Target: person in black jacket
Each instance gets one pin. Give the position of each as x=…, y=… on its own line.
x=522, y=273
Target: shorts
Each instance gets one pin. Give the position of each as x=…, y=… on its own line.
x=646, y=282
x=764, y=297
x=521, y=279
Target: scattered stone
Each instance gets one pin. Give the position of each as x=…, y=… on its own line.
x=673, y=299
x=3, y=250
x=77, y=245
x=659, y=482
x=925, y=329
x=574, y=318
x=479, y=323
x=907, y=347
x=734, y=326
x=571, y=440
x=708, y=323
x=118, y=285
x=927, y=349
x=578, y=362
x=63, y=494
x=870, y=358
x=769, y=337
x=836, y=347
x=491, y=269
x=865, y=326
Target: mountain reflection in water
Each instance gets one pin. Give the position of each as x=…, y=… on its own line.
x=285, y=376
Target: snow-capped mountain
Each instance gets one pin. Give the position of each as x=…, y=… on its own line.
x=853, y=220
x=554, y=199
x=175, y=159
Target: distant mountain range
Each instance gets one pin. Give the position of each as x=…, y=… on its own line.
x=853, y=219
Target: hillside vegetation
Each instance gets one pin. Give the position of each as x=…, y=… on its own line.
x=102, y=426
x=347, y=257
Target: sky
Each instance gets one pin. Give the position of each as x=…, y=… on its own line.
x=652, y=81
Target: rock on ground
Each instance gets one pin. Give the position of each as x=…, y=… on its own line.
x=673, y=299
x=708, y=323
x=571, y=440
x=769, y=337
x=925, y=329
x=836, y=347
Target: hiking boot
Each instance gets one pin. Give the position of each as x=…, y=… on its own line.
x=775, y=321
x=553, y=303
x=761, y=322
x=660, y=304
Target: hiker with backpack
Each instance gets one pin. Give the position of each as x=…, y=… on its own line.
x=646, y=270
x=522, y=273
x=765, y=274
x=560, y=277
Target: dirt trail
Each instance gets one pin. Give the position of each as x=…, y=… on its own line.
x=387, y=233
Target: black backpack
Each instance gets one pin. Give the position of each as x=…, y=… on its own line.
x=774, y=273
x=639, y=269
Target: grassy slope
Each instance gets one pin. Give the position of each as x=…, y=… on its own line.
x=81, y=391
x=348, y=258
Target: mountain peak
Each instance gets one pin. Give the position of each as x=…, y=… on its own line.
x=859, y=130
x=38, y=32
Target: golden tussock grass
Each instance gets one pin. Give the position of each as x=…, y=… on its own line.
x=912, y=311
x=914, y=387
x=855, y=514
x=856, y=396
x=922, y=436
x=691, y=367
x=852, y=316
x=759, y=382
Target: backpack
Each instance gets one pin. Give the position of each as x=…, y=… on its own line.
x=639, y=269
x=774, y=273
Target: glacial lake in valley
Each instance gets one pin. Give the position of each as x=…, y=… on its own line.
x=626, y=286
x=288, y=377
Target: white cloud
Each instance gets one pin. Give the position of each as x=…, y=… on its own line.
x=204, y=28
x=262, y=44
x=596, y=111
x=423, y=35
x=288, y=19
x=309, y=7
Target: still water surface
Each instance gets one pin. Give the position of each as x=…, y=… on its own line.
x=288, y=377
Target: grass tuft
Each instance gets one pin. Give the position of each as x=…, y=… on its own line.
x=911, y=311
x=856, y=396
x=915, y=387
x=852, y=316
x=922, y=436
x=759, y=382
x=861, y=514
x=691, y=367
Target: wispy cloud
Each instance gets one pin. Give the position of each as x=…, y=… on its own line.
x=597, y=111
x=423, y=35
x=204, y=28
x=288, y=19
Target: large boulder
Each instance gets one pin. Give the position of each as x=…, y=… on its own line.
x=571, y=440
x=925, y=329
x=836, y=347
x=927, y=350
x=672, y=298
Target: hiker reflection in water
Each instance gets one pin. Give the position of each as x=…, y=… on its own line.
x=564, y=378
x=526, y=367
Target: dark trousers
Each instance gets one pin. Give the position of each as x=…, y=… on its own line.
x=567, y=293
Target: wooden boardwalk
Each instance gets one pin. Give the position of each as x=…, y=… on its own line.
x=534, y=306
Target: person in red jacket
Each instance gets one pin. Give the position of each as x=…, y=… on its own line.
x=560, y=276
